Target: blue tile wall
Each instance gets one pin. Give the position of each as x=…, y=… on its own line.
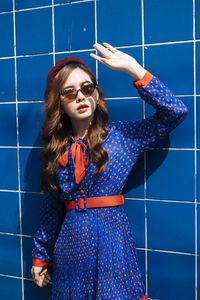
x=7, y=83
x=7, y=36
x=162, y=194
x=169, y=169
x=5, y=285
x=34, y=27
x=6, y=5
x=168, y=276
x=10, y=219
x=32, y=76
x=174, y=24
x=21, y=4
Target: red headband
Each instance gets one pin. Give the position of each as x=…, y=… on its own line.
x=61, y=63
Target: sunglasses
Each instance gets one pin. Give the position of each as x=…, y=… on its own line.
x=87, y=90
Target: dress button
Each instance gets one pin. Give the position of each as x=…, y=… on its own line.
x=82, y=191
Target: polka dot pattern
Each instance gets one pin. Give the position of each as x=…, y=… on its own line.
x=93, y=252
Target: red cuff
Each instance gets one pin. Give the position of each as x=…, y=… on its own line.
x=142, y=83
x=40, y=262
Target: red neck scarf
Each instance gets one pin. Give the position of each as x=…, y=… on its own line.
x=78, y=155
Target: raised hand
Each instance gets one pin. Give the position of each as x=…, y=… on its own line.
x=118, y=60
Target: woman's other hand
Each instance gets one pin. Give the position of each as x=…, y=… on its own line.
x=118, y=60
x=40, y=275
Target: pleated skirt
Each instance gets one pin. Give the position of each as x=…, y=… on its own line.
x=95, y=257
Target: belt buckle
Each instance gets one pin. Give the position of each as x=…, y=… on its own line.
x=85, y=204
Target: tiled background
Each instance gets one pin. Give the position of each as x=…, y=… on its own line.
x=162, y=195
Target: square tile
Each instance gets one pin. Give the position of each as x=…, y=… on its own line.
x=10, y=255
x=170, y=175
x=198, y=223
x=117, y=83
x=197, y=18
x=5, y=286
x=7, y=83
x=198, y=273
x=183, y=135
x=20, y=4
x=198, y=67
x=198, y=120
x=174, y=70
x=9, y=213
x=198, y=177
x=33, y=292
x=132, y=109
x=119, y=24
x=167, y=228
x=135, y=211
x=34, y=31
x=72, y=21
x=30, y=210
x=9, y=169
x=134, y=186
x=168, y=273
x=30, y=168
x=7, y=36
x=167, y=21
x=29, y=114
x=6, y=5
x=8, y=130
x=32, y=73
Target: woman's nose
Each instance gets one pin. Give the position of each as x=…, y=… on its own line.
x=80, y=95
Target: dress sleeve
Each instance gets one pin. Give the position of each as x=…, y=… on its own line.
x=52, y=213
x=170, y=112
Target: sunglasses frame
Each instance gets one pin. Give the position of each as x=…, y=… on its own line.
x=61, y=93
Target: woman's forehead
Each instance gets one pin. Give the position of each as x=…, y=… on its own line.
x=77, y=76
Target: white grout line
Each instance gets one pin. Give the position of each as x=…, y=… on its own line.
x=195, y=153
x=106, y=98
x=92, y=49
x=152, y=149
x=144, y=155
x=18, y=162
x=43, y=7
x=96, y=37
x=16, y=234
x=160, y=200
x=166, y=251
x=53, y=32
x=128, y=198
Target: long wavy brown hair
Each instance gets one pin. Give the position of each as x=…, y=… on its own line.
x=57, y=127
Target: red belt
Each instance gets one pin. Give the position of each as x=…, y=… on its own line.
x=81, y=204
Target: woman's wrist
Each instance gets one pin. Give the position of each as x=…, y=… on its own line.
x=136, y=71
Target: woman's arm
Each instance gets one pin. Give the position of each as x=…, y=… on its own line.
x=170, y=111
x=52, y=213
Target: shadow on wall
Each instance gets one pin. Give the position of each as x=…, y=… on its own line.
x=31, y=206
x=136, y=177
x=30, y=202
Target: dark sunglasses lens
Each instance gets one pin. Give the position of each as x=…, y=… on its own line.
x=88, y=89
x=69, y=94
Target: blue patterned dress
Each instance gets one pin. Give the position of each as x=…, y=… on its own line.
x=93, y=252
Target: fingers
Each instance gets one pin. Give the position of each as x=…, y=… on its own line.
x=101, y=59
x=40, y=276
x=105, y=52
x=112, y=49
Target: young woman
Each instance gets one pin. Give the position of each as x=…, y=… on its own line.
x=84, y=232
